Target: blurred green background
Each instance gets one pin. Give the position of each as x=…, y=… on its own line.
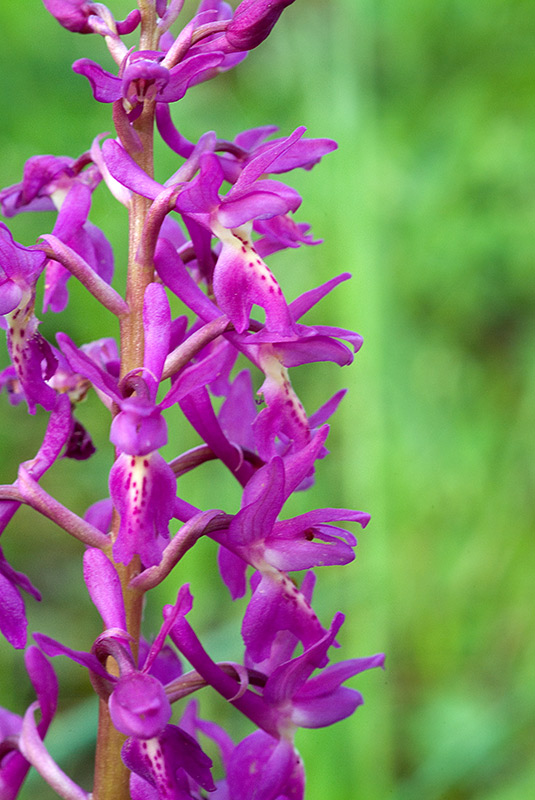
x=430, y=203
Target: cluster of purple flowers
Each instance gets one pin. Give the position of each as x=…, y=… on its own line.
x=203, y=235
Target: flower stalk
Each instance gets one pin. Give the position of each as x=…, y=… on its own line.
x=204, y=236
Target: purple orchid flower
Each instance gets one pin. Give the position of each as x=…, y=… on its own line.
x=64, y=185
x=274, y=548
x=303, y=701
x=292, y=697
x=161, y=754
x=143, y=78
x=142, y=485
x=44, y=177
x=240, y=277
x=284, y=418
x=249, y=144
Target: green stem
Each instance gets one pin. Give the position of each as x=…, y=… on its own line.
x=111, y=775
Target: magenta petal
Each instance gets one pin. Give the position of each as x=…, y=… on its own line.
x=33, y=358
x=125, y=170
x=219, y=360
x=304, y=153
x=139, y=428
x=45, y=683
x=290, y=555
x=261, y=163
x=256, y=205
x=105, y=86
x=320, y=515
x=74, y=211
x=174, y=274
x=187, y=71
x=157, y=326
x=169, y=133
x=307, y=300
x=104, y=588
x=54, y=648
x=10, y=296
x=201, y=195
x=140, y=789
x=250, y=139
x=287, y=678
x=197, y=407
x=312, y=350
x=191, y=723
x=300, y=465
x=19, y=263
x=233, y=571
x=130, y=23
x=326, y=411
x=262, y=500
x=253, y=21
x=322, y=711
x=71, y=14
x=17, y=578
x=13, y=622
x=335, y=674
x=238, y=412
x=100, y=514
